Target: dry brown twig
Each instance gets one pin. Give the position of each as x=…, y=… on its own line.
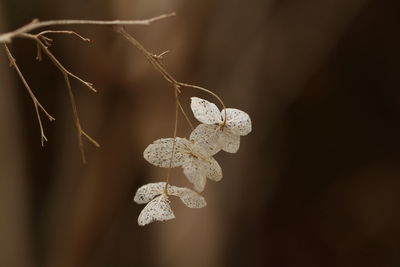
x=155, y=61
x=43, y=43
x=13, y=63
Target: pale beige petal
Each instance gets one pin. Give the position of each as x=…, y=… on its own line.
x=205, y=111
x=228, y=141
x=156, y=210
x=189, y=197
x=238, y=121
x=194, y=173
x=207, y=136
x=148, y=191
x=211, y=169
x=159, y=153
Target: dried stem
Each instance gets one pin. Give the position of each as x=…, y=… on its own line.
x=63, y=32
x=155, y=61
x=77, y=122
x=36, y=24
x=185, y=115
x=209, y=92
x=66, y=75
x=57, y=63
x=174, y=142
x=13, y=63
x=43, y=42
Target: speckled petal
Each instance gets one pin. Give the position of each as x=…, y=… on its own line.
x=205, y=111
x=189, y=197
x=148, y=191
x=194, y=173
x=207, y=136
x=156, y=210
x=211, y=169
x=159, y=153
x=238, y=121
x=228, y=141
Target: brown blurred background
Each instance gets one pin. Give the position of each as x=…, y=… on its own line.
x=316, y=183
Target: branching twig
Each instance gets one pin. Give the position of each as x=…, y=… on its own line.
x=63, y=32
x=77, y=121
x=66, y=75
x=13, y=63
x=56, y=62
x=36, y=24
x=43, y=42
x=155, y=61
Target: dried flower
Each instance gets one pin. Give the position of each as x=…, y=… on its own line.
x=215, y=133
x=197, y=163
x=158, y=207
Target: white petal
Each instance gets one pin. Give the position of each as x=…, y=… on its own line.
x=159, y=153
x=189, y=197
x=193, y=171
x=228, y=141
x=206, y=112
x=156, y=210
x=148, y=191
x=211, y=169
x=238, y=121
x=207, y=136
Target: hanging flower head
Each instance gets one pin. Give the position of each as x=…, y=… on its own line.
x=216, y=133
x=197, y=163
x=158, y=205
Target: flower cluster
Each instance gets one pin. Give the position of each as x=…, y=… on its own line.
x=219, y=130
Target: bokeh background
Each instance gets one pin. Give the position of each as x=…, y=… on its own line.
x=317, y=182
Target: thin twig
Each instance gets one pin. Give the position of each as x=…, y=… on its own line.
x=56, y=62
x=174, y=142
x=66, y=75
x=155, y=61
x=36, y=102
x=209, y=92
x=77, y=121
x=36, y=24
x=63, y=32
x=185, y=115
x=150, y=57
x=42, y=44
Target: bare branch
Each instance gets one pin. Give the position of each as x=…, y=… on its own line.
x=155, y=61
x=43, y=43
x=76, y=116
x=94, y=142
x=150, y=57
x=56, y=62
x=63, y=32
x=66, y=75
x=36, y=24
x=13, y=63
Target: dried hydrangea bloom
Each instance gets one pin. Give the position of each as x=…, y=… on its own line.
x=214, y=134
x=197, y=163
x=158, y=208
